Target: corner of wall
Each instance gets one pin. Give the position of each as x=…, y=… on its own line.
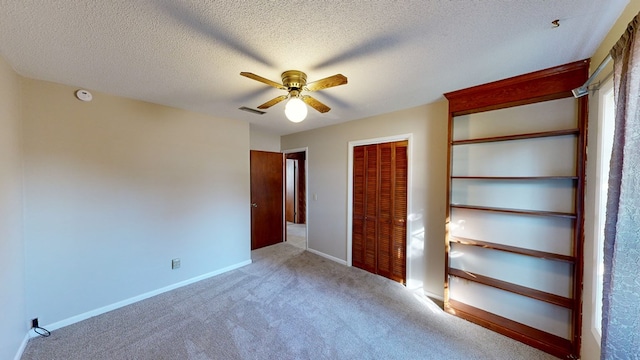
x=13, y=282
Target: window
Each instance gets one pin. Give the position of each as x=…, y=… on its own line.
x=606, y=125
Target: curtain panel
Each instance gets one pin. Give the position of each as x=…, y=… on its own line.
x=621, y=288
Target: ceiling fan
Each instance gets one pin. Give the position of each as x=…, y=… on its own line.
x=295, y=82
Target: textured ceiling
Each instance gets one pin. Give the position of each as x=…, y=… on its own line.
x=396, y=54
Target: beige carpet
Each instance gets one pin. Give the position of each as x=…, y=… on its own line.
x=288, y=304
x=297, y=235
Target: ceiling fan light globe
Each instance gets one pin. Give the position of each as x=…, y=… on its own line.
x=295, y=110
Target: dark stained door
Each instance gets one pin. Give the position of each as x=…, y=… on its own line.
x=290, y=198
x=299, y=206
x=380, y=209
x=267, y=180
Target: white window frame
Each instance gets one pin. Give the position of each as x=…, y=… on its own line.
x=606, y=123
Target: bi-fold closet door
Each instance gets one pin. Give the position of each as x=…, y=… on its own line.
x=380, y=209
x=514, y=232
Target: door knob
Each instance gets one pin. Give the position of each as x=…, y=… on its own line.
x=254, y=205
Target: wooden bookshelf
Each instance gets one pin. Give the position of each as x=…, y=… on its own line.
x=550, y=343
x=513, y=93
x=517, y=137
x=514, y=288
x=515, y=211
x=514, y=178
x=513, y=249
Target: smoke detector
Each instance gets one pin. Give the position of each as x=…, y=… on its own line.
x=84, y=95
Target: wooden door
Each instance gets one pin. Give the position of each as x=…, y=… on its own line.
x=380, y=209
x=267, y=177
x=299, y=183
x=290, y=198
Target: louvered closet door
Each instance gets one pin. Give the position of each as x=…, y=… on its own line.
x=359, y=178
x=380, y=209
x=371, y=209
x=399, y=246
x=365, y=185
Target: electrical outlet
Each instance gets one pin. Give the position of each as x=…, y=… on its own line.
x=175, y=263
x=34, y=323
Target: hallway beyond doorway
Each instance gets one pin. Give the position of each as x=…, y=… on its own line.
x=297, y=235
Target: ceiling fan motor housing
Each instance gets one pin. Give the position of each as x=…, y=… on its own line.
x=294, y=82
x=294, y=79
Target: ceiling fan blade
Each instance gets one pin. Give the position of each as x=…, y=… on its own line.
x=315, y=104
x=263, y=80
x=272, y=102
x=331, y=81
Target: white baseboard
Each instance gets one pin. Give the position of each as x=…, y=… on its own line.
x=332, y=258
x=119, y=304
x=432, y=295
x=23, y=346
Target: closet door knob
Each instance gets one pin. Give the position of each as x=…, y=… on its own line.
x=254, y=205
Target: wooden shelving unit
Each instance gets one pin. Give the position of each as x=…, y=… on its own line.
x=513, y=249
x=517, y=289
x=516, y=178
x=517, y=137
x=515, y=211
x=534, y=88
x=545, y=341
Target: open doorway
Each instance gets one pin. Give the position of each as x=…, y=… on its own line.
x=296, y=197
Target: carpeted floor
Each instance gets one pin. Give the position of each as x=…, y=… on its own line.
x=288, y=304
x=297, y=235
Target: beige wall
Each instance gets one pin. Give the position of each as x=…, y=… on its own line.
x=590, y=345
x=115, y=189
x=263, y=140
x=13, y=325
x=328, y=170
